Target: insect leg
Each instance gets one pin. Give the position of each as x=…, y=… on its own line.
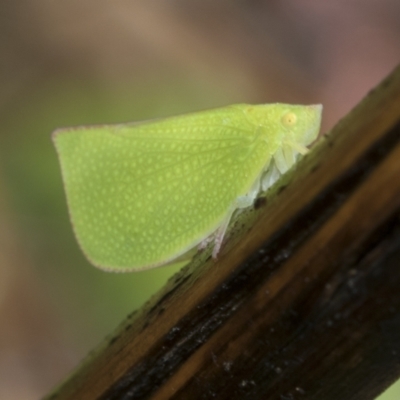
x=270, y=176
x=241, y=202
x=203, y=244
x=220, y=233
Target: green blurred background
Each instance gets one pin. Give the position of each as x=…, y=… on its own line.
x=75, y=62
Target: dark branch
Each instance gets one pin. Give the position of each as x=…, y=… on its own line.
x=304, y=302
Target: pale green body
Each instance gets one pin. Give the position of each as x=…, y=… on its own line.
x=141, y=195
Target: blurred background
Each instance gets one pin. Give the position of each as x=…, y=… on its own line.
x=75, y=62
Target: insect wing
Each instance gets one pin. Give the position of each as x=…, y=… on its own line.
x=141, y=195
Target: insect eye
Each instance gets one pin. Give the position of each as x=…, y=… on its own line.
x=289, y=119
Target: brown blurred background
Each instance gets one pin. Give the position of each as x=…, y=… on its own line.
x=75, y=62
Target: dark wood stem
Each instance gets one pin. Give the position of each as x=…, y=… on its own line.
x=304, y=301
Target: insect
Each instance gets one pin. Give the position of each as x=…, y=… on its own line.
x=142, y=195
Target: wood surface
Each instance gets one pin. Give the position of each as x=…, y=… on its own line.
x=304, y=300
